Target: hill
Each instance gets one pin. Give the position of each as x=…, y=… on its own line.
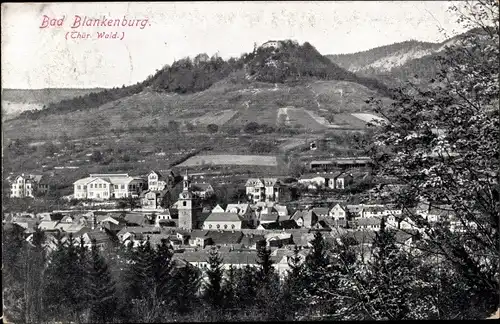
x=397, y=63
x=291, y=63
x=16, y=101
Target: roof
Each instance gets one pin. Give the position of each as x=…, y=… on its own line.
x=201, y=186
x=139, y=229
x=218, y=209
x=368, y=221
x=304, y=214
x=251, y=239
x=98, y=236
x=269, y=217
x=138, y=219
x=313, y=175
x=286, y=224
x=252, y=182
x=270, y=181
x=227, y=217
x=242, y=208
x=157, y=173
x=374, y=209
x=321, y=210
x=225, y=237
x=48, y=225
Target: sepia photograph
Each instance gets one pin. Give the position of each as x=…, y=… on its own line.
x=205, y=161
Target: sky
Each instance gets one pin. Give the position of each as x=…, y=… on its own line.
x=35, y=57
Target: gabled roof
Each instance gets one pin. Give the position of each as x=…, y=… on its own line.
x=225, y=237
x=320, y=210
x=269, y=217
x=254, y=182
x=227, y=217
x=309, y=176
x=306, y=215
x=286, y=224
x=218, y=209
x=270, y=181
x=157, y=173
x=98, y=236
x=242, y=208
x=135, y=219
x=249, y=239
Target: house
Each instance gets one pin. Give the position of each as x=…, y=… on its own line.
x=339, y=212
x=321, y=211
x=267, y=215
x=199, y=238
x=282, y=260
x=223, y=221
x=48, y=226
x=340, y=181
x=165, y=218
x=280, y=225
x=266, y=189
x=372, y=224
x=24, y=186
x=100, y=238
x=135, y=219
x=160, y=182
x=305, y=218
x=130, y=232
x=278, y=239
x=152, y=200
x=251, y=241
x=271, y=44
x=243, y=210
x=313, y=180
x=108, y=186
x=202, y=190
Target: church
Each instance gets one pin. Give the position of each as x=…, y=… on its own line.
x=188, y=207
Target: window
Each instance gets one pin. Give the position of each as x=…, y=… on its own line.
x=78, y=187
x=84, y=187
x=184, y=203
x=100, y=185
x=210, y=226
x=232, y=226
x=122, y=187
x=91, y=185
x=225, y=226
x=218, y=226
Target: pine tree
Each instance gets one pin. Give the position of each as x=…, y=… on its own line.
x=186, y=287
x=295, y=284
x=162, y=270
x=213, y=293
x=388, y=278
x=229, y=288
x=246, y=287
x=315, y=270
x=265, y=262
x=100, y=289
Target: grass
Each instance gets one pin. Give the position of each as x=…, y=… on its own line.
x=231, y=159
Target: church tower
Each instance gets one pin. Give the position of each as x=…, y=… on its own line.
x=185, y=205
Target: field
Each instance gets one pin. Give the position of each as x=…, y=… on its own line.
x=232, y=159
x=366, y=117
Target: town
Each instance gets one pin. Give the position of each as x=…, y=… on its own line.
x=136, y=209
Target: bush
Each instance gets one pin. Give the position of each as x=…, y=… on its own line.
x=212, y=128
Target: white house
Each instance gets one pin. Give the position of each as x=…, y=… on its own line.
x=24, y=186
x=108, y=186
x=266, y=189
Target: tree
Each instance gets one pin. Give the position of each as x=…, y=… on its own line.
x=251, y=127
x=265, y=262
x=213, y=288
x=96, y=157
x=441, y=142
x=173, y=126
x=100, y=288
x=212, y=128
x=187, y=284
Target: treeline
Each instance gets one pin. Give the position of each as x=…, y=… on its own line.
x=144, y=284
x=292, y=62
x=362, y=59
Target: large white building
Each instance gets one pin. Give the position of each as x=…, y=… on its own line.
x=108, y=186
